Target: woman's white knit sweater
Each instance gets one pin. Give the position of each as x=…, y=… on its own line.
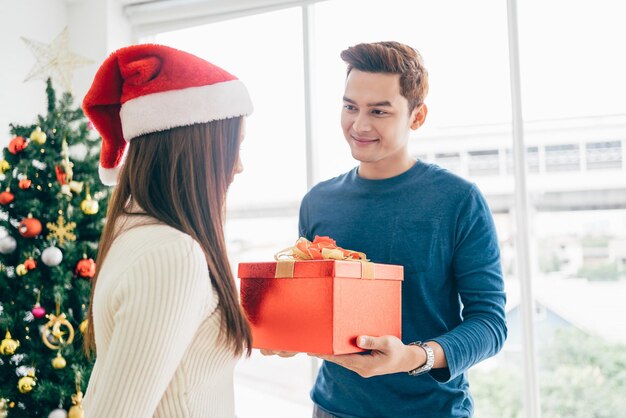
x=156, y=328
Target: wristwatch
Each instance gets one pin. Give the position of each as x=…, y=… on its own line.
x=430, y=360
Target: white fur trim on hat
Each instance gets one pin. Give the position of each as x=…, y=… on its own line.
x=161, y=111
x=108, y=176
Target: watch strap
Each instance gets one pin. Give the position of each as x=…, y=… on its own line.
x=430, y=359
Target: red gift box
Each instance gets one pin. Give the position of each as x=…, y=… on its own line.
x=320, y=306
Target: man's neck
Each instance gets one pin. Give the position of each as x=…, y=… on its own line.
x=378, y=171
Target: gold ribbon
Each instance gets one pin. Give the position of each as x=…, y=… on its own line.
x=284, y=269
x=367, y=270
x=322, y=248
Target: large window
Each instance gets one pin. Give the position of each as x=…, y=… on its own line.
x=575, y=141
x=263, y=200
x=578, y=281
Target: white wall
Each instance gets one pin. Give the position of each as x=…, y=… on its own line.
x=96, y=27
x=40, y=20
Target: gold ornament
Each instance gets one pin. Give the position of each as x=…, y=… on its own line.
x=83, y=326
x=8, y=345
x=59, y=362
x=4, y=166
x=76, y=186
x=53, y=336
x=38, y=136
x=26, y=383
x=76, y=411
x=89, y=206
x=21, y=270
x=55, y=60
x=66, y=163
x=61, y=231
x=4, y=407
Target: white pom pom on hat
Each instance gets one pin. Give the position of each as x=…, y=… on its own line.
x=149, y=88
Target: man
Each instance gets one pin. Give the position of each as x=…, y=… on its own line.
x=401, y=211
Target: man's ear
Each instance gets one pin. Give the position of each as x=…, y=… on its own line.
x=418, y=116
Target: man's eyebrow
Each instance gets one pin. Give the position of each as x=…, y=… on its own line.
x=376, y=104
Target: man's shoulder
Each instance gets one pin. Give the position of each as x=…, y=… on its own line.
x=446, y=182
x=436, y=173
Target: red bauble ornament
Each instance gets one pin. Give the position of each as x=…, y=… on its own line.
x=29, y=227
x=17, y=144
x=24, y=184
x=6, y=197
x=38, y=311
x=30, y=263
x=86, y=267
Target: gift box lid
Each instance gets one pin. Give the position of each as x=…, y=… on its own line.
x=320, y=268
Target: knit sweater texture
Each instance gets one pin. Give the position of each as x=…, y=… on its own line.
x=156, y=328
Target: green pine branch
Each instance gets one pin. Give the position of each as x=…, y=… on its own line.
x=45, y=199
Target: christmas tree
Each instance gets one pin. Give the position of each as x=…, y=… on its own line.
x=52, y=208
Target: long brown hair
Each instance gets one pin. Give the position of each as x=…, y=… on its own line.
x=180, y=177
x=394, y=58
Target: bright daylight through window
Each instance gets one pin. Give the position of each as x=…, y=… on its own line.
x=575, y=141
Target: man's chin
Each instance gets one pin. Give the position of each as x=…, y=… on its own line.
x=359, y=155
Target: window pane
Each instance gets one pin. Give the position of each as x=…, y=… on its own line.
x=464, y=45
x=603, y=155
x=564, y=157
x=484, y=162
x=467, y=61
x=263, y=200
x=273, y=153
x=571, y=83
x=568, y=65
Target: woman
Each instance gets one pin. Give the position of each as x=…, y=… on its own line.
x=164, y=313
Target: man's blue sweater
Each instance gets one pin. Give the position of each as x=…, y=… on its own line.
x=438, y=226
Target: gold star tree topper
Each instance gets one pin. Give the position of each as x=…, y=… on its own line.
x=55, y=60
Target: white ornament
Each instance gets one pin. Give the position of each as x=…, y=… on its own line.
x=51, y=256
x=7, y=245
x=22, y=371
x=65, y=189
x=39, y=165
x=58, y=413
x=78, y=152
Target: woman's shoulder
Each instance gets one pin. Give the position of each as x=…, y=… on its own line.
x=155, y=242
x=150, y=234
x=158, y=253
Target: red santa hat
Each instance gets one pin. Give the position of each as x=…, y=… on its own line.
x=148, y=88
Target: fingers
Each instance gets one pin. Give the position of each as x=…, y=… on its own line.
x=286, y=354
x=278, y=353
x=364, y=342
x=374, y=343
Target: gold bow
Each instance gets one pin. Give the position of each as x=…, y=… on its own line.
x=322, y=248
